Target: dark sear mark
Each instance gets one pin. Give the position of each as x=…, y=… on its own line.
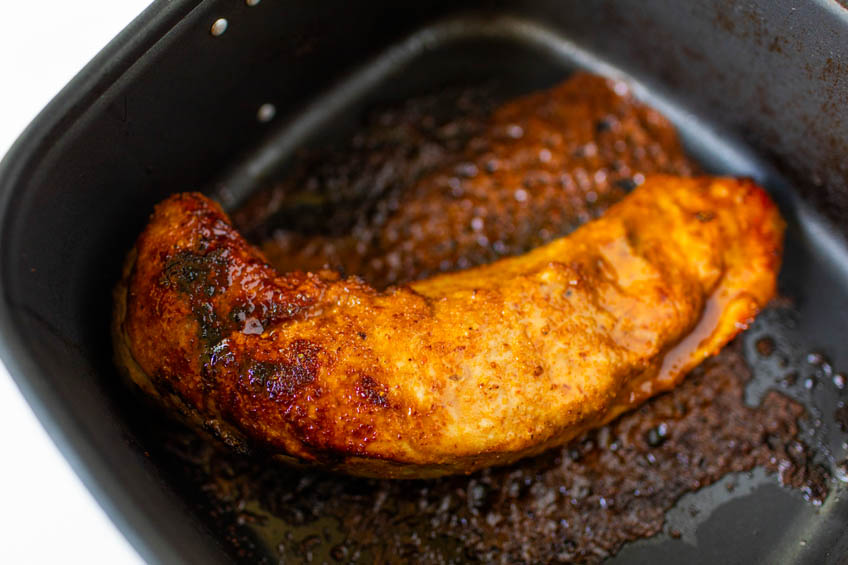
x=282, y=380
x=705, y=216
x=200, y=276
x=372, y=391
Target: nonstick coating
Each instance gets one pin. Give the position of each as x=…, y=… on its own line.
x=757, y=89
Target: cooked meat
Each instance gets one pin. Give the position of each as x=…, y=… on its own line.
x=538, y=167
x=452, y=373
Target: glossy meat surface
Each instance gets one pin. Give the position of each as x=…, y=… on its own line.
x=452, y=373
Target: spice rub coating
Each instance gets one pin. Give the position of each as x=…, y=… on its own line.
x=456, y=372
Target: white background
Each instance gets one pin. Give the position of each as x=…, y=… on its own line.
x=46, y=514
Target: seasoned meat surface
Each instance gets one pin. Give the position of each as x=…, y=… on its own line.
x=455, y=372
x=469, y=191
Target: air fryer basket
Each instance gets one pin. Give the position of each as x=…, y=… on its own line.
x=215, y=95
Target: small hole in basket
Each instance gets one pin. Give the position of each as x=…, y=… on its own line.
x=219, y=27
x=252, y=2
x=266, y=113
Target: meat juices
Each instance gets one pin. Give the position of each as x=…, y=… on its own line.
x=581, y=502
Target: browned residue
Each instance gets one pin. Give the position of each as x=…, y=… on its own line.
x=539, y=167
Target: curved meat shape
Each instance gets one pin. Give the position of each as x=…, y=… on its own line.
x=452, y=373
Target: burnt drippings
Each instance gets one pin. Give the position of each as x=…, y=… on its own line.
x=333, y=190
x=841, y=417
x=578, y=503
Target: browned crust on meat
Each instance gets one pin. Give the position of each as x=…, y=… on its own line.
x=455, y=372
